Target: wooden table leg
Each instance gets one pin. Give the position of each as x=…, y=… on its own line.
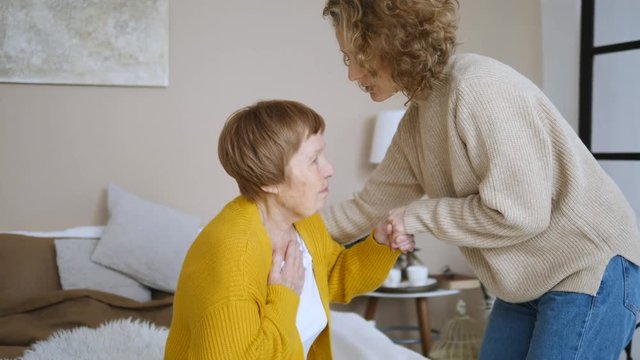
x=422, y=307
x=372, y=306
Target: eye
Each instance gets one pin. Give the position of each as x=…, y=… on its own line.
x=346, y=59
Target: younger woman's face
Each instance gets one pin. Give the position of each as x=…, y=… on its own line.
x=379, y=88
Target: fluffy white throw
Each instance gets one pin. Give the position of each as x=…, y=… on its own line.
x=124, y=339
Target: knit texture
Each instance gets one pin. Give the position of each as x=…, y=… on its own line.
x=487, y=163
x=224, y=308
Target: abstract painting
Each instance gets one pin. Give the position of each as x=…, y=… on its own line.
x=87, y=42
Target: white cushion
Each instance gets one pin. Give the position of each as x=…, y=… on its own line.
x=145, y=240
x=77, y=271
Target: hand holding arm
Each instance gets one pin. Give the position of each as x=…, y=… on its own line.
x=392, y=232
x=382, y=233
x=400, y=239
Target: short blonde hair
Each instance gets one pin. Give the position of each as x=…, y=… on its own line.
x=258, y=141
x=415, y=38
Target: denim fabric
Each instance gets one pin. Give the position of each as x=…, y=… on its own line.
x=565, y=325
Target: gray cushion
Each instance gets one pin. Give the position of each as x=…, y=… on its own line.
x=145, y=240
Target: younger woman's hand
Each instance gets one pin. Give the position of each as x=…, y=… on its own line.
x=405, y=243
x=384, y=234
x=288, y=270
x=399, y=239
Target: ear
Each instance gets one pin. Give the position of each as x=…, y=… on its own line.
x=270, y=189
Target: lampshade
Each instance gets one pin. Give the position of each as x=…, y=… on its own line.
x=386, y=125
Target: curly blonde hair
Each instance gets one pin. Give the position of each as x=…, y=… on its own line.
x=415, y=38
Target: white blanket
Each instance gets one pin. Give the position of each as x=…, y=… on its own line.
x=88, y=232
x=353, y=338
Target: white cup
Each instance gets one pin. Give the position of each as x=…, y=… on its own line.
x=393, y=279
x=418, y=275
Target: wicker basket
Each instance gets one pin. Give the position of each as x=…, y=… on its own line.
x=460, y=339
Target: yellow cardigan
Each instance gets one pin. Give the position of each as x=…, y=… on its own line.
x=224, y=308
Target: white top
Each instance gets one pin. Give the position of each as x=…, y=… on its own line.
x=311, y=318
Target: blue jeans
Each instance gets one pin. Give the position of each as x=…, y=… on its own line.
x=567, y=326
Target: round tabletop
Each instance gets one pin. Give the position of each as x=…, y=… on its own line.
x=413, y=295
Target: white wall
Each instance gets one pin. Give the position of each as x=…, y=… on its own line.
x=561, y=55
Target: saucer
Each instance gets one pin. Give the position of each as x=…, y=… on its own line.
x=407, y=287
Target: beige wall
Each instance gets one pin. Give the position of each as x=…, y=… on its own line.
x=61, y=145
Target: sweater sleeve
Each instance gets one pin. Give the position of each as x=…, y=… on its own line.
x=359, y=269
x=393, y=183
x=237, y=330
x=510, y=153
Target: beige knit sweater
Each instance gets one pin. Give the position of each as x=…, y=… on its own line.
x=487, y=163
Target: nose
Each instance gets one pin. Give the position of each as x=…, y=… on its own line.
x=328, y=170
x=354, y=72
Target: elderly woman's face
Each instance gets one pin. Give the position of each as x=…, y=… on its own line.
x=307, y=174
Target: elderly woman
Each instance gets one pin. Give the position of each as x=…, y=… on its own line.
x=506, y=180
x=258, y=280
